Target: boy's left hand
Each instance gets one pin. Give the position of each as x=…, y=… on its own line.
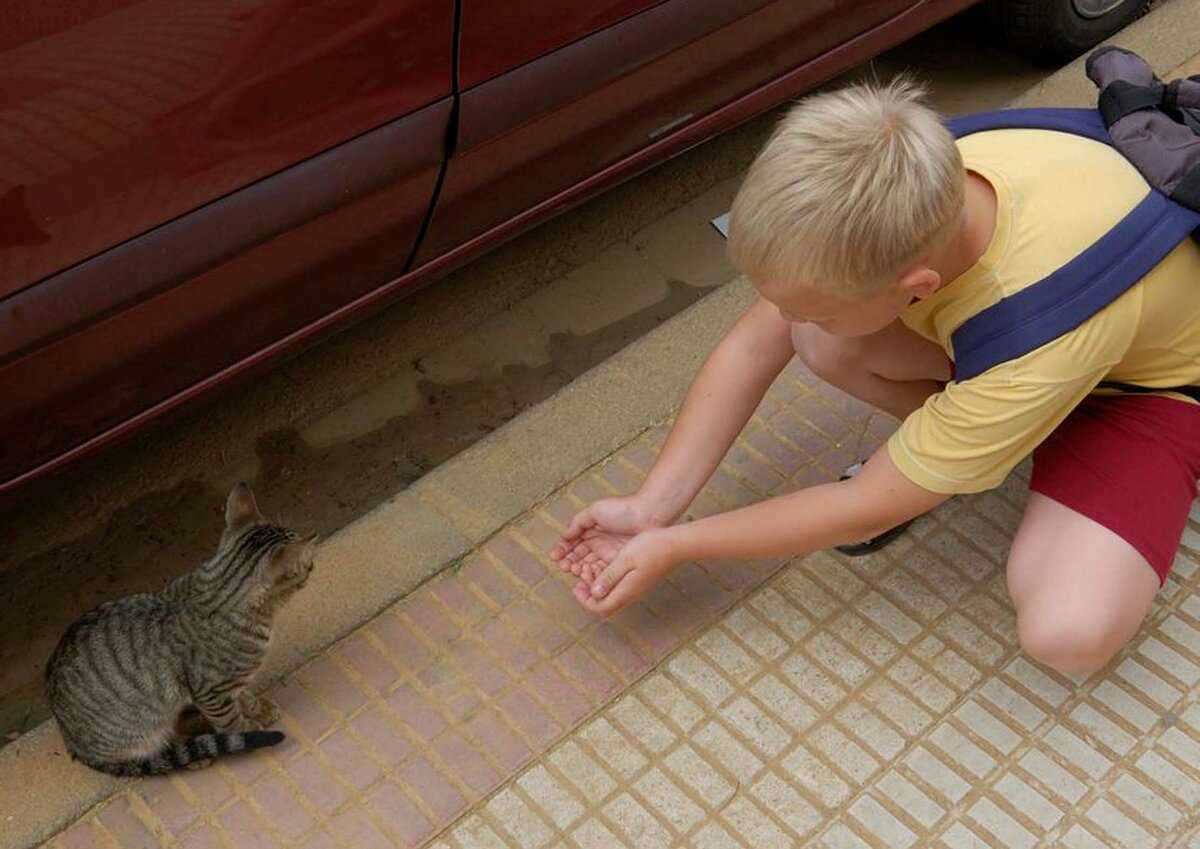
x=636, y=568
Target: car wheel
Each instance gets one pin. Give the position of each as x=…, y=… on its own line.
x=1056, y=31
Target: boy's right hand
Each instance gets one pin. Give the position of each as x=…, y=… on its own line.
x=600, y=530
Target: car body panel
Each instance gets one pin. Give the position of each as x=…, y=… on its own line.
x=222, y=314
x=535, y=130
x=497, y=40
x=138, y=114
x=90, y=346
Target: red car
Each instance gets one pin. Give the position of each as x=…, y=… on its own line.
x=190, y=190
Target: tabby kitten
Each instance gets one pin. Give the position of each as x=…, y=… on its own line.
x=125, y=675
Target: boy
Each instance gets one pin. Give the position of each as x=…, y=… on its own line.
x=870, y=235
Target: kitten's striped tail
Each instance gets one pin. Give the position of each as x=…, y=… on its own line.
x=179, y=754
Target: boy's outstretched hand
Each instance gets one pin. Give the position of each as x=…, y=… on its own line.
x=609, y=541
x=635, y=569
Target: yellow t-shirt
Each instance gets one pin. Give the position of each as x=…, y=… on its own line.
x=1057, y=194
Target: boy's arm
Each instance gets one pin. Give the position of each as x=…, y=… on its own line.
x=878, y=498
x=723, y=396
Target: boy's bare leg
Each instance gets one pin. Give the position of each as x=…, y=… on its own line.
x=1081, y=591
x=893, y=370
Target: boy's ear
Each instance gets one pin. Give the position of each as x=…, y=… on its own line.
x=240, y=507
x=920, y=282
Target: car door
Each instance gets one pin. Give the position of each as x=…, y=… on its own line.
x=550, y=99
x=185, y=186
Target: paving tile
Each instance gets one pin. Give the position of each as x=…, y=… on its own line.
x=640, y=723
x=781, y=798
x=908, y=798
x=1028, y=801
x=691, y=770
x=563, y=699
x=592, y=679
x=209, y=786
x=818, y=777
x=283, y=806
x=849, y=757
x=639, y=827
x=425, y=782
x=245, y=828
x=517, y=653
x=518, y=820
x=417, y=711
x=1052, y=776
x=1174, y=782
x=1006, y=830
x=551, y=797
x=751, y=723
x=517, y=560
x=940, y=776
x=876, y=820
x=593, y=834
x=1146, y=802
x=879, y=737
x=302, y=709
x=354, y=827
x=491, y=734
x=120, y=819
x=666, y=799
x=167, y=804
x=1118, y=826
x=208, y=837
x=380, y=729
x=350, y=759
x=723, y=748
x=317, y=781
x=523, y=713
x=466, y=764
x=360, y=655
x=399, y=642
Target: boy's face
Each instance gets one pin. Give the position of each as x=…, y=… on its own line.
x=840, y=317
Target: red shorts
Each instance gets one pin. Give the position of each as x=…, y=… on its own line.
x=1129, y=462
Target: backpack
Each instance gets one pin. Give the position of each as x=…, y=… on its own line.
x=1156, y=126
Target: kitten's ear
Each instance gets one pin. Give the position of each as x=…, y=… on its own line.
x=240, y=507
x=295, y=558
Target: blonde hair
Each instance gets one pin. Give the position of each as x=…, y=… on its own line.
x=852, y=186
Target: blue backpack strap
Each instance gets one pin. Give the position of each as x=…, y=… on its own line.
x=1057, y=304
x=1079, y=122
x=1068, y=297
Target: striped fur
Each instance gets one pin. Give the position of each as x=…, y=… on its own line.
x=123, y=674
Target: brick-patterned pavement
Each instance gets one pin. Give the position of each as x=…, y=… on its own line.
x=826, y=702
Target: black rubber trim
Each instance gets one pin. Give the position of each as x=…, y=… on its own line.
x=451, y=141
x=1192, y=392
x=1121, y=98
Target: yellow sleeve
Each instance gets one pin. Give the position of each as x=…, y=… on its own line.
x=968, y=437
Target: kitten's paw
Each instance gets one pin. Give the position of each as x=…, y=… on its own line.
x=268, y=713
x=202, y=764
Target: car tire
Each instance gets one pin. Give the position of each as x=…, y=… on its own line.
x=1056, y=31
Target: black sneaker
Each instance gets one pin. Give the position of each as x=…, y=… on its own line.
x=858, y=549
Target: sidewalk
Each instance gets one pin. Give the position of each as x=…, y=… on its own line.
x=821, y=701
x=825, y=701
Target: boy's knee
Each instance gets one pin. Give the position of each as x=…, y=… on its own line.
x=1071, y=642
x=829, y=357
